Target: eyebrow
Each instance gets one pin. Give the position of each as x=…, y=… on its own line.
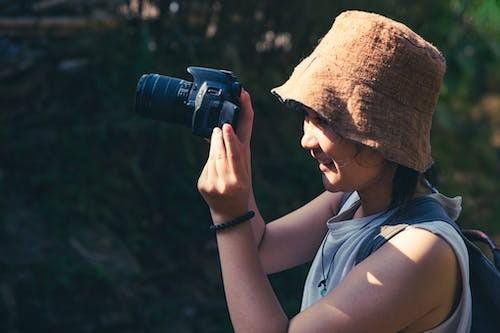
x=305, y=110
x=312, y=113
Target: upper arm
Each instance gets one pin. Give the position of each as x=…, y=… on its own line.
x=392, y=288
x=293, y=239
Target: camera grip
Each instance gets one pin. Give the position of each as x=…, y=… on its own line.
x=229, y=114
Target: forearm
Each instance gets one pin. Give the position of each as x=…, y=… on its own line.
x=225, y=184
x=258, y=223
x=252, y=304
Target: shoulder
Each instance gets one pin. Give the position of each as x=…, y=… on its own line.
x=418, y=263
x=424, y=248
x=436, y=263
x=429, y=258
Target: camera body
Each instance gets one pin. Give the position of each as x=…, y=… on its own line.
x=209, y=101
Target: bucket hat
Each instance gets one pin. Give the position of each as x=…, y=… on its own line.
x=376, y=82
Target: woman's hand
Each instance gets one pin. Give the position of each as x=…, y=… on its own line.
x=225, y=180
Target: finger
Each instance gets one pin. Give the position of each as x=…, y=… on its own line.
x=212, y=172
x=220, y=152
x=203, y=177
x=245, y=121
x=233, y=146
x=245, y=99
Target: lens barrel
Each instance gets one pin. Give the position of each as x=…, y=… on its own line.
x=163, y=98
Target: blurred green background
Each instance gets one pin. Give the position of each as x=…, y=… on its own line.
x=101, y=226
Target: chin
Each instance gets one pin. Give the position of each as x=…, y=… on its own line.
x=329, y=185
x=333, y=182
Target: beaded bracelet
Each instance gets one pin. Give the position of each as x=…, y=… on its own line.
x=240, y=219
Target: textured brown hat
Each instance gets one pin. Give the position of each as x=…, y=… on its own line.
x=376, y=81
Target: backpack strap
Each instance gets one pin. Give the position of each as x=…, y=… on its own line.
x=419, y=210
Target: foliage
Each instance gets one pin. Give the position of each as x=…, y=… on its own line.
x=102, y=228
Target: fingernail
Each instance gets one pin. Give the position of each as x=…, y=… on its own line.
x=216, y=130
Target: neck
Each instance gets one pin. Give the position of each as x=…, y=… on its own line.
x=376, y=196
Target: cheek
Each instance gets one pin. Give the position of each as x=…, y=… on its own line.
x=338, y=149
x=327, y=145
x=344, y=179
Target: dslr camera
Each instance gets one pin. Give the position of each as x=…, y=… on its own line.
x=208, y=102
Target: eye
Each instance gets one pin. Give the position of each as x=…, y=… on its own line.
x=320, y=121
x=313, y=117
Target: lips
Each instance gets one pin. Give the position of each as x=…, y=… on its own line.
x=328, y=163
x=325, y=162
x=327, y=166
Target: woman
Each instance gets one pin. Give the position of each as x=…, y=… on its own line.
x=367, y=92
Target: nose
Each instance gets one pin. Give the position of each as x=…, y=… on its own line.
x=308, y=140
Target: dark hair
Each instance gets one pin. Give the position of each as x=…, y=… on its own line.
x=404, y=184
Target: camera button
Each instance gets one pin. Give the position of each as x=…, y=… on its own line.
x=214, y=91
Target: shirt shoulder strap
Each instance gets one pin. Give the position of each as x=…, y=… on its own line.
x=343, y=200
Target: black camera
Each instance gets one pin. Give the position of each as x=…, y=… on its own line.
x=208, y=102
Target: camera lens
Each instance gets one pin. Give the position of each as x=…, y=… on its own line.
x=163, y=98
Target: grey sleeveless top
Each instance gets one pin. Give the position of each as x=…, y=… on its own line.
x=345, y=236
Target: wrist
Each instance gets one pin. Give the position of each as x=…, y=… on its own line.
x=219, y=218
x=246, y=217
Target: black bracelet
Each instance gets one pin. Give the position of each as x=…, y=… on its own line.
x=240, y=219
